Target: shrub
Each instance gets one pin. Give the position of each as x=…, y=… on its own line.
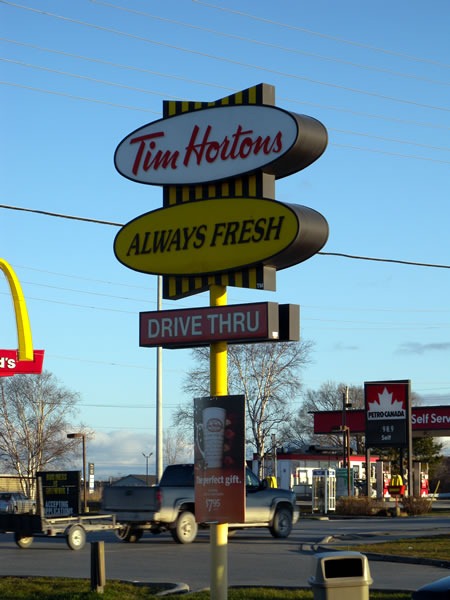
x=416, y=506
x=357, y=505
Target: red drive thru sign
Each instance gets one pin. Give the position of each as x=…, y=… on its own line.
x=219, y=453
x=240, y=323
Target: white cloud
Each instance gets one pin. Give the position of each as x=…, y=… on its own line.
x=418, y=348
x=121, y=452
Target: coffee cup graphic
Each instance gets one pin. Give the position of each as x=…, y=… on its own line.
x=210, y=436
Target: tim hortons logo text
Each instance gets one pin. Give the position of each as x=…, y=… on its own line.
x=207, y=145
x=202, y=147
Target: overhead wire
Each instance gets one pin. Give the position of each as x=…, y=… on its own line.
x=338, y=254
x=270, y=45
x=243, y=64
x=227, y=60
x=165, y=95
x=218, y=86
x=152, y=92
x=74, y=97
x=326, y=36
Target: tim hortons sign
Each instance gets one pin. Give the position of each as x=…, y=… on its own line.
x=218, y=143
x=217, y=163
x=213, y=236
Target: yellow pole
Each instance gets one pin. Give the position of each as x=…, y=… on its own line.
x=219, y=387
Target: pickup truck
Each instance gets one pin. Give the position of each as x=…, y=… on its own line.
x=170, y=506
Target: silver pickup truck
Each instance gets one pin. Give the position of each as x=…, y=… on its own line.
x=170, y=506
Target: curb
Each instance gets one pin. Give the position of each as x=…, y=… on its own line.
x=431, y=562
x=169, y=588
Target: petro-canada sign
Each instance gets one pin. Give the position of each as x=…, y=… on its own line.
x=218, y=143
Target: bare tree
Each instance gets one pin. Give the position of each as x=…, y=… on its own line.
x=34, y=420
x=329, y=397
x=267, y=374
x=177, y=447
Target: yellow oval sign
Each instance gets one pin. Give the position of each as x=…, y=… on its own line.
x=212, y=236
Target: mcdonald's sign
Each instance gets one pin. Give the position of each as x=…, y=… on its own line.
x=25, y=359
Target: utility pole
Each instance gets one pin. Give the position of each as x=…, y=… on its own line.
x=346, y=437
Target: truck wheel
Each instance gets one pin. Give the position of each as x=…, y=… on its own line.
x=76, y=537
x=282, y=523
x=23, y=540
x=185, y=530
x=129, y=535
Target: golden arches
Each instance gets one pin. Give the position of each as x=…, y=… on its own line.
x=20, y=309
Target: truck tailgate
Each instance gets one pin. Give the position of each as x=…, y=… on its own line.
x=118, y=499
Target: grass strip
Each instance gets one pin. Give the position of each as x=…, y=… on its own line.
x=47, y=588
x=433, y=547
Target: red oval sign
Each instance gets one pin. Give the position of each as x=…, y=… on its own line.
x=218, y=143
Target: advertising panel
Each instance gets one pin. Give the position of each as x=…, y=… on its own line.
x=61, y=493
x=388, y=413
x=219, y=453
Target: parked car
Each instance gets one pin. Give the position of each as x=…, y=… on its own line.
x=16, y=502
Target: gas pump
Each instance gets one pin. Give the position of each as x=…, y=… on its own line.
x=421, y=484
x=383, y=478
x=324, y=490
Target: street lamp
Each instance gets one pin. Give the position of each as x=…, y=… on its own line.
x=146, y=456
x=72, y=436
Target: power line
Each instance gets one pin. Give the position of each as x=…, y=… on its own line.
x=140, y=287
x=368, y=115
x=73, y=97
x=119, y=65
x=387, y=260
x=339, y=254
x=86, y=78
x=272, y=46
x=152, y=92
x=349, y=146
x=227, y=60
x=326, y=36
x=214, y=85
x=388, y=153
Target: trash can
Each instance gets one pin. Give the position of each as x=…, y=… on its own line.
x=437, y=590
x=340, y=576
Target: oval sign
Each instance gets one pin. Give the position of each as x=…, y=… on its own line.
x=220, y=142
x=212, y=236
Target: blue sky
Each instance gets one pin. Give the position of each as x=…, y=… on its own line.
x=77, y=77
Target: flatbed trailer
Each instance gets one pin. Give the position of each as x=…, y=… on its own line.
x=26, y=527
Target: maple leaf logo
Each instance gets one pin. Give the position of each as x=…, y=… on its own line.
x=386, y=407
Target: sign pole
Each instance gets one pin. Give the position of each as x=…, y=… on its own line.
x=219, y=387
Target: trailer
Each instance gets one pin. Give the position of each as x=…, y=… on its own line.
x=56, y=513
x=26, y=527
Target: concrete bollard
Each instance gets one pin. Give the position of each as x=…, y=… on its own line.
x=98, y=573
